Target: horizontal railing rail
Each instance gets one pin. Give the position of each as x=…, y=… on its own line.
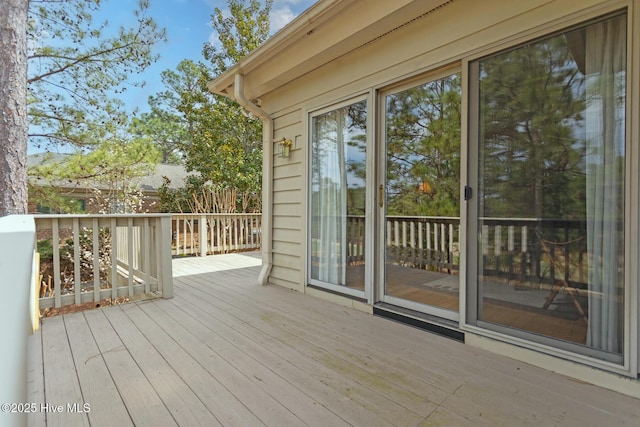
x=90, y=258
x=212, y=233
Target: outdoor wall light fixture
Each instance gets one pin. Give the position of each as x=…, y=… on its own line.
x=285, y=148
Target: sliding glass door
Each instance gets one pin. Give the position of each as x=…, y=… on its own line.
x=420, y=217
x=550, y=205
x=337, y=199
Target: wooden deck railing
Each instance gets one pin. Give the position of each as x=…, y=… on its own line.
x=94, y=257
x=203, y=234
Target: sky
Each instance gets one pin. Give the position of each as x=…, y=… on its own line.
x=188, y=26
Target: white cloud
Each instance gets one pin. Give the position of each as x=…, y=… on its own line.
x=282, y=12
x=279, y=17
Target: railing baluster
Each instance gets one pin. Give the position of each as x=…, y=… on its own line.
x=192, y=232
x=96, y=259
x=389, y=235
x=219, y=246
x=114, y=259
x=130, y=255
x=450, y=248
x=398, y=243
x=511, y=241
x=145, y=241
x=420, y=246
x=236, y=236
x=436, y=246
x=77, y=281
x=497, y=250
x=185, y=227
x=202, y=235
x=55, y=236
x=177, y=235
x=485, y=240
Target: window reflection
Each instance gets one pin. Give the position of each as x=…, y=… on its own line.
x=423, y=193
x=551, y=186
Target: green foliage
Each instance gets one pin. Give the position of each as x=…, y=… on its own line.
x=245, y=28
x=423, y=149
x=76, y=72
x=532, y=157
x=222, y=143
x=167, y=131
x=113, y=169
x=45, y=249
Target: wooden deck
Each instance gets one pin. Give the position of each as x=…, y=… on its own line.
x=227, y=352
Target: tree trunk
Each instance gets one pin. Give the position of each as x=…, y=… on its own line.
x=13, y=107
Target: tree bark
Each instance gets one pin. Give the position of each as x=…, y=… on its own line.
x=13, y=107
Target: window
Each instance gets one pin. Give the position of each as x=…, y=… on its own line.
x=551, y=185
x=62, y=205
x=337, y=196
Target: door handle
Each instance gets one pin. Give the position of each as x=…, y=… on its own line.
x=468, y=193
x=381, y=195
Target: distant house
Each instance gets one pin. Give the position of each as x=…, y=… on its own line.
x=469, y=167
x=81, y=192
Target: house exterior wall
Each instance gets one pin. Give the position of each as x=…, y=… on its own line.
x=446, y=39
x=458, y=30
x=288, y=204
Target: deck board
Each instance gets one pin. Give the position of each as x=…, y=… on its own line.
x=142, y=401
x=61, y=383
x=35, y=378
x=227, y=409
x=183, y=404
x=311, y=376
x=225, y=351
x=94, y=377
x=316, y=344
x=191, y=334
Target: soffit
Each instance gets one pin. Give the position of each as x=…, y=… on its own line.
x=326, y=32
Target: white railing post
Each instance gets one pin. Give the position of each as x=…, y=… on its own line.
x=17, y=234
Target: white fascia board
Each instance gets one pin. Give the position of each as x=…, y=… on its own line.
x=325, y=32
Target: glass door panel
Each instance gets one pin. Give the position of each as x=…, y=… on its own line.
x=338, y=183
x=422, y=206
x=551, y=185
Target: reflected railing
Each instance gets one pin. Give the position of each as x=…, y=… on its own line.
x=535, y=250
x=521, y=249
